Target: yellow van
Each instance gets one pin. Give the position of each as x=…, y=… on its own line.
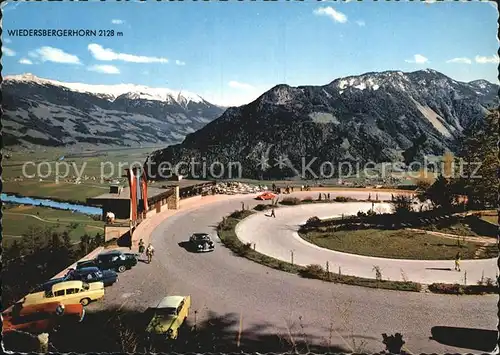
x=68, y=292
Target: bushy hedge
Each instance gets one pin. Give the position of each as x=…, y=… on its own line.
x=264, y=207
x=228, y=236
x=313, y=221
x=457, y=289
x=291, y=201
x=343, y=199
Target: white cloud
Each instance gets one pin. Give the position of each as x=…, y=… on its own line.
x=117, y=21
x=332, y=13
x=360, y=23
x=461, y=60
x=106, y=54
x=418, y=59
x=106, y=69
x=484, y=60
x=25, y=61
x=238, y=85
x=8, y=52
x=56, y=55
x=7, y=40
x=180, y=62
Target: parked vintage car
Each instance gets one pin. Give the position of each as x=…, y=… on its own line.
x=40, y=318
x=168, y=316
x=67, y=292
x=93, y=274
x=111, y=260
x=201, y=242
x=47, y=285
x=87, y=274
x=266, y=196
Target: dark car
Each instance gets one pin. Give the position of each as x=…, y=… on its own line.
x=47, y=286
x=93, y=274
x=201, y=242
x=111, y=260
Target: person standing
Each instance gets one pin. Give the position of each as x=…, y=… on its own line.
x=272, y=213
x=457, y=261
x=150, y=251
x=141, y=246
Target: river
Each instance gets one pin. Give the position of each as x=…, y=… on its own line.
x=90, y=210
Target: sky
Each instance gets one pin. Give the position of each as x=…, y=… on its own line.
x=232, y=52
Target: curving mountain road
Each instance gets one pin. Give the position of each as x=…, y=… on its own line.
x=271, y=301
x=276, y=237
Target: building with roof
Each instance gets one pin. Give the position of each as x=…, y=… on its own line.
x=117, y=201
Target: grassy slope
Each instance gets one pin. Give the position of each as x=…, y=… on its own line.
x=16, y=224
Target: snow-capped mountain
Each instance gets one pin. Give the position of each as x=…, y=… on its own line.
x=371, y=117
x=47, y=112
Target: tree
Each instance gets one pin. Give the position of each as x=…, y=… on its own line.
x=85, y=241
x=66, y=239
x=479, y=152
x=441, y=193
x=402, y=204
x=14, y=251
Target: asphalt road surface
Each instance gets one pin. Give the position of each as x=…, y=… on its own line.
x=277, y=237
x=271, y=301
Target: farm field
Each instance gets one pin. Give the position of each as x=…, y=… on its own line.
x=67, y=188
x=18, y=220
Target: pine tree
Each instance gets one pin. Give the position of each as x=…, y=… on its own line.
x=479, y=152
x=441, y=193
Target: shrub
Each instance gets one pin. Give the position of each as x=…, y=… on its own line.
x=243, y=249
x=342, y=199
x=456, y=289
x=371, y=213
x=361, y=214
x=378, y=273
x=240, y=214
x=290, y=201
x=489, y=282
x=262, y=207
x=314, y=221
x=313, y=271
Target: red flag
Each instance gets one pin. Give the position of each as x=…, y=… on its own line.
x=144, y=190
x=132, y=183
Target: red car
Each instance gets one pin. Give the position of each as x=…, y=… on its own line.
x=266, y=196
x=40, y=318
